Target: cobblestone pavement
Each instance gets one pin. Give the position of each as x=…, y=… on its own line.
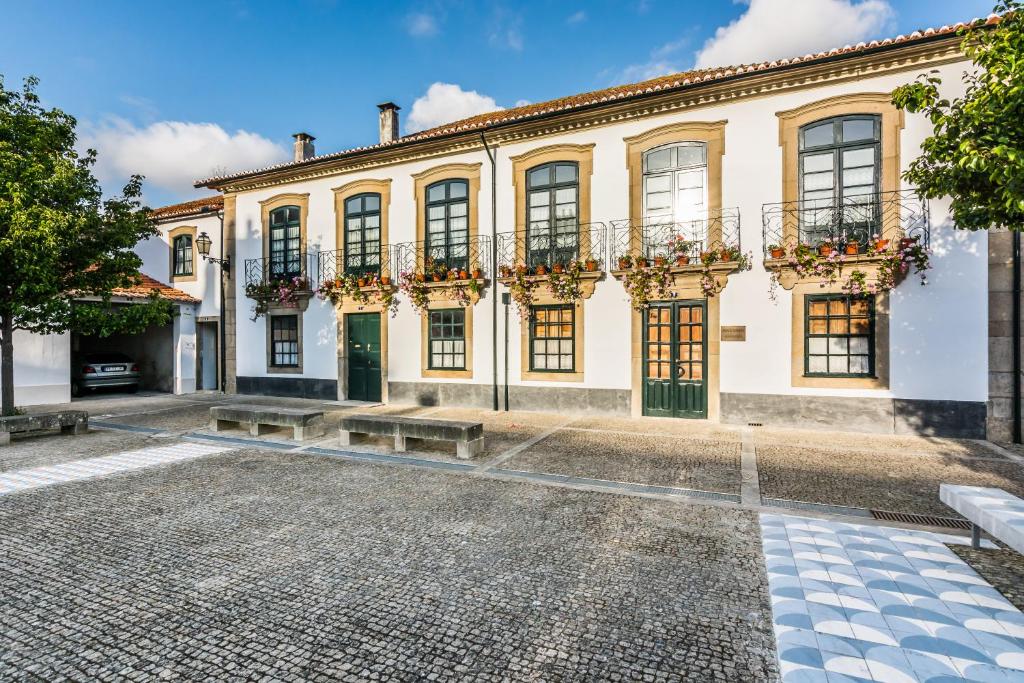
x=287, y=566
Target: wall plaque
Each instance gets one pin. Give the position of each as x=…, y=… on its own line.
x=734, y=333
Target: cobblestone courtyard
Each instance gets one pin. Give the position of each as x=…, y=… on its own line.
x=259, y=563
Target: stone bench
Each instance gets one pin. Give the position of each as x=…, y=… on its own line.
x=994, y=510
x=306, y=424
x=468, y=436
x=67, y=421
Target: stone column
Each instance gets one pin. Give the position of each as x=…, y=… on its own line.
x=1000, y=336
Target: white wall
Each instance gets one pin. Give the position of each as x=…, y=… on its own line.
x=42, y=368
x=156, y=262
x=938, y=332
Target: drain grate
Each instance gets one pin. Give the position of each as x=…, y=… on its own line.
x=923, y=520
x=815, y=507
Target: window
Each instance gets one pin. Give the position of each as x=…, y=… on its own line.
x=447, y=230
x=447, y=339
x=285, y=243
x=552, y=338
x=182, y=256
x=840, y=336
x=839, y=162
x=284, y=340
x=552, y=223
x=362, y=234
x=675, y=183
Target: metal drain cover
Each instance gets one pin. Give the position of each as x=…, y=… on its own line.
x=924, y=520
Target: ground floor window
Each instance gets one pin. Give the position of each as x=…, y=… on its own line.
x=447, y=339
x=284, y=340
x=552, y=338
x=839, y=336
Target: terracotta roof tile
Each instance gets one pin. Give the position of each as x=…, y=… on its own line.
x=145, y=287
x=190, y=208
x=619, y=92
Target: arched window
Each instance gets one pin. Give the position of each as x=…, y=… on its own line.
x=285, y=243
x=362, y=234
x=676, y=183
x=447, y=229
x=182, y=256
x=839, y=178
x=552, y=221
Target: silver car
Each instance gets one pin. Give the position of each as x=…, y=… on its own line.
x=109, y=369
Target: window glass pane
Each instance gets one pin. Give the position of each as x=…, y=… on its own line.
x=293, y=214
x=814, y=163
x=818, y=181
x=858, y=157
x=435, y=193
x=658, y=159
x=565, y=173
x=371, y=202
x=690, y=155
x=859, y=364
x=858, y=129
x=817, y=345
x=353, y=205
x=859, y=345
x=820, y=134
x=540, y=176
x=838, y=364
x=458, y=189
x=658, y=183
x=817, y=364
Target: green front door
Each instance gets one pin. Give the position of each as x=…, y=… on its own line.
x=675, y=360
x=363, y=356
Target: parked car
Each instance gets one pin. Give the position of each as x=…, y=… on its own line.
x=109, y=369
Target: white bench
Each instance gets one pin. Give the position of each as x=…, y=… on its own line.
x=994, y=510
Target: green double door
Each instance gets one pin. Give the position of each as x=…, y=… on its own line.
x=363, y=331
x=675, y=359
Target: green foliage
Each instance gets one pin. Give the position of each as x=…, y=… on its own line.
x=103, y=320
x=975, y=154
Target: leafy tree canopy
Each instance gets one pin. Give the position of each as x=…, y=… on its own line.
x=975, y=154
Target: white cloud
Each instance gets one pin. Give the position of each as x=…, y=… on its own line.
x=444, y=103
x=173, y=154
x=505, y=29
x=576, y=17
x=772, y=29
x=421, y=25
x=661, y=62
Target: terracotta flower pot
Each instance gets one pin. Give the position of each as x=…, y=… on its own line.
x=361, y=282
x=420, y=277
x=660, y=260
x=558, y=268
x=641, y=263
x=436, y=277
x=682, y=260
x=385, y=280
x=505, y=271
x=881, y=245
x=590, y=265
x=542, y=270
x=825, y=249
x=852, y=248
x=463, y=274
x=624, y=263
x=477, y=274
x=522, y=270
x=907, y=242
x=778, y=252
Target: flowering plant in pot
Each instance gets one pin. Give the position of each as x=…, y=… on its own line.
x=541, y=269
x=826, y=246
x=590, y=265
x=679, y=248
x=521, y=290
x=477, y=273
x=505, y=271
x=415, y=289
x=277, y=292
x=625, y=262
x=776, y=251
x=852, y=247
x=642, y=284
x=565, y=285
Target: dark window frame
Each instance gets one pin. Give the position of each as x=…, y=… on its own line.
x=547, y=245
x=872, y=321
x=571, y=308
x=453, y=253
x=183, y=256
x=285, y=261
x=364, y=265
x=446, y=325
x=275, y=326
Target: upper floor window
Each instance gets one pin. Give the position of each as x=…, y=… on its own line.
x=839, y=178
x=182, y=255
x=362, y=234
x=840, y=336
x=285, y=242
x=675, y=183
x=447, y=233
x=552, y=221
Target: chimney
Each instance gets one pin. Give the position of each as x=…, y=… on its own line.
x=388, y=122
x=304, y=146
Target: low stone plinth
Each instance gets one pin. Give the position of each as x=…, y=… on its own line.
x=305, y=424
x=468, y=436
x=994, y=510
x=67, y=421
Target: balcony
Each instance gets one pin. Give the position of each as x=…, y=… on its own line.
x=466, y=260
x=334, y=264
x=682, y=245
x=279, y=281
x=861, y=225
x=545, y=247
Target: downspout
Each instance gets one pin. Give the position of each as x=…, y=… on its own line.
x=223, y=312
x=493, y=273
x=1016, y=338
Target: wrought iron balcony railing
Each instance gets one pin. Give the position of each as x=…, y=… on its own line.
x=654, y=237
x=422, y=257
x=547, y=243
x=277, y=268
x=335, y=263
x=859, y=220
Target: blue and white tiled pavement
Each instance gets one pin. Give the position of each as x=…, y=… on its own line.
x=854, y=602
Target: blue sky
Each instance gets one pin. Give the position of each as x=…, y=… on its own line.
x=179, y=90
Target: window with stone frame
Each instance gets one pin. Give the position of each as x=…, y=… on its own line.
x=447, y=339
x=553, y=338
x=183, y=256
x=284, y=341
x=839, y=336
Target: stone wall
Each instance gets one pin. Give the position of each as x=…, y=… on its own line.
x=1000, y=339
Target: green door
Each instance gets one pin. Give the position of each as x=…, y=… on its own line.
x=363, y=356
x=675, y=360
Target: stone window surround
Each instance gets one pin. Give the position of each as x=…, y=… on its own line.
x=453, y=171
x=545, y=299
x=381, y=187
x=276, y=202
x=445, y=373
x=711, y=133
x=277, y=369
x=190, y=231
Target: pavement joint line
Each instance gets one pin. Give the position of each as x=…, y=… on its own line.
x=155, y=410
x=750, y=485
x=100, y=424
x=510, y=453
x=623, y=432
x=1005, y=452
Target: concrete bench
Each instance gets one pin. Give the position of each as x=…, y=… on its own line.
x=994, y=510
x=306, y=424
x=67, y=421
x=468, y=436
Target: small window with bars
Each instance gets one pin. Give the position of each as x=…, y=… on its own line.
x=183, y=256
x=552, y=339
x=284, y=340
x=839, y=336
x=447, y=338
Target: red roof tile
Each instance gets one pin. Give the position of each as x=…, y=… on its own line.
x=214, y=203
x=147, y=285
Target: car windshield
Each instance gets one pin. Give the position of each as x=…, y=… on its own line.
x=107, y=358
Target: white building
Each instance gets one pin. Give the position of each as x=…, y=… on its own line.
x=794, y=152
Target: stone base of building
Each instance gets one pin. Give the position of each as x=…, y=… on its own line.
x=291, y=387
x=568, y=400
x=951, y=419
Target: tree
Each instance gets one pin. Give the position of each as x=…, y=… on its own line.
x=975, y=154
x=59, y=240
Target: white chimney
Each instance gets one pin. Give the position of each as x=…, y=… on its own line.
x=304, y=146
x=388, y=122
